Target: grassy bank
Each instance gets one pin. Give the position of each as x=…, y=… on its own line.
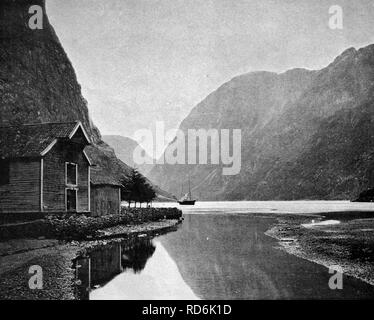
x=349, y=243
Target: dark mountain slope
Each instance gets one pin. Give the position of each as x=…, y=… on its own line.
x=38, y=82
x=287, y=122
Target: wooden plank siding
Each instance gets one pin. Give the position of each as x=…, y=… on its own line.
x=22, y=193
x=54, y=186
x=33, y=160
x=104, y=200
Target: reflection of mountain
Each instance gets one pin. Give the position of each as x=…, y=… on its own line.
x=229, y=257
x=216, y=254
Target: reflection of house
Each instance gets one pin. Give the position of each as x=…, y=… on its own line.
x=103, y=263
x=105, y=193
x=43, y=168
x=99, y=267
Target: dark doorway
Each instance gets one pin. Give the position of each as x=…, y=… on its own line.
x=71, y=200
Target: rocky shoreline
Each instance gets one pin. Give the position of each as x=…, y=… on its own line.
x=55, y=258
x=347, y=241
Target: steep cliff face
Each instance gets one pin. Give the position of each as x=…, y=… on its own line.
x=305, y=134
x=38, y=82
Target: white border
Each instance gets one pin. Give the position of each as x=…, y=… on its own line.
x=46, y=150
x=87, y=158
x=72, y=133
x=41, y=184
x=79, y=124
x=89, y=189
x=119, y=198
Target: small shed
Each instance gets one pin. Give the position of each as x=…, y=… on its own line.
x=43, y=168
x=105, y=193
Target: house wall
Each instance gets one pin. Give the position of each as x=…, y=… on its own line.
x=105, y=200
x=22, y=193
x=54, y=184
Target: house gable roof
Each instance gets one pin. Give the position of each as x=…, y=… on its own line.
x=35, y=140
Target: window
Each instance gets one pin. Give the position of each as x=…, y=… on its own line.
x=4, y=172
x=71, y=172
x=71, y=200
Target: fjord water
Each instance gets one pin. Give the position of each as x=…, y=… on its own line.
x=220, y=251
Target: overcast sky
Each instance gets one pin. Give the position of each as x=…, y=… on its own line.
x=140, y=61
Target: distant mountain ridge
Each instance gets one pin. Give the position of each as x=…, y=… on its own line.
x=305, y=134
x=124, y=148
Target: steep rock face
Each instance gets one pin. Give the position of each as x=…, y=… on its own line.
x=305, y=134
x=38, y=82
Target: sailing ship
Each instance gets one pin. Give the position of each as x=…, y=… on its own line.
x=187, y=200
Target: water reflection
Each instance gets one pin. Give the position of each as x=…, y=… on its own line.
x=105, y=262
x=210, y=257
x=137, y=255
x=160, y=280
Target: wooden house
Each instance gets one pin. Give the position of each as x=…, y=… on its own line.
x=43, y=168
x=105, y=193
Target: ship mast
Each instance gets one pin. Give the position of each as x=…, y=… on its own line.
x=189, y=189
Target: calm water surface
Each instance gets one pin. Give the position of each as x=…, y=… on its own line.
x=220, y=251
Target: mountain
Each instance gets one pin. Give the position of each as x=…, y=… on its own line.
x=124, y=148
x=304, y=134
x=38, y=82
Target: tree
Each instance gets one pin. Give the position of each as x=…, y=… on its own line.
x=135, y=188
x=149, y=193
